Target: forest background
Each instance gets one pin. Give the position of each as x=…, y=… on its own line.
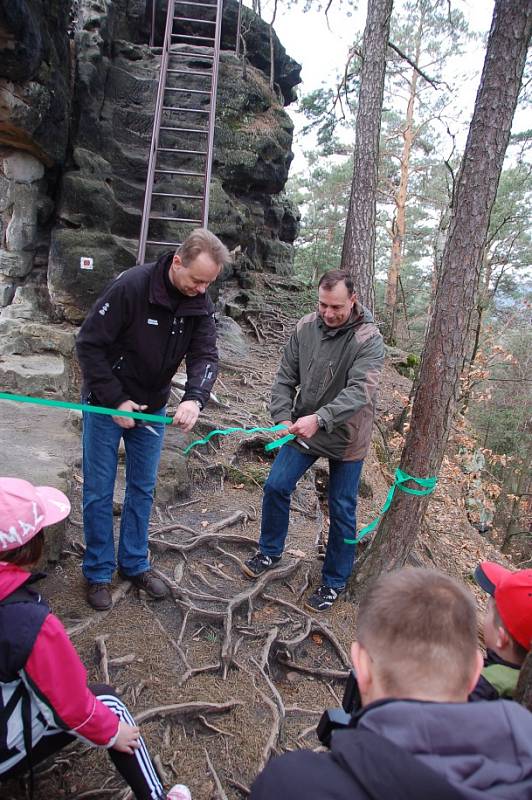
x=425, y=118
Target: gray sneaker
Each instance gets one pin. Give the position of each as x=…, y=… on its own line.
x=258, y=564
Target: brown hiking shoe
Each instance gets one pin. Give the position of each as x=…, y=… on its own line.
x=149, y=583
x=99, y=596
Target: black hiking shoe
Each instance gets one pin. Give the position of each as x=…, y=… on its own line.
x=259, y=563
x=323, y=598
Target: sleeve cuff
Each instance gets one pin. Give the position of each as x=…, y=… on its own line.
x=326, y=418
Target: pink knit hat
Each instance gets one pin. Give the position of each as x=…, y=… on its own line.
x=26, y=509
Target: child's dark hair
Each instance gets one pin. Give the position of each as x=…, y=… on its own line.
x=28, y=554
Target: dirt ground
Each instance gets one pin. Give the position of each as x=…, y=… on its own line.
x=226, y=671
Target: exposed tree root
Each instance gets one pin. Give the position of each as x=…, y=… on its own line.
x=186, y=710
x=238, y=516
x=104, y=658
x=221, y=795
x=317, y=671
x=246, y=596
x=240, y=786
x=316, y=625
x=175, y=526
x=269, y=747
x=202, y=539
x=117, y=595
x=213, y=728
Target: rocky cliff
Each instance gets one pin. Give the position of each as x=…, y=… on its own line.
x=78, y=84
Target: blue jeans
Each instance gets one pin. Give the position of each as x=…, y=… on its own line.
x=344, y=477
x=101, y=437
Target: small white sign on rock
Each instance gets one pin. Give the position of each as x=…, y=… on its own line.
x=86, y=262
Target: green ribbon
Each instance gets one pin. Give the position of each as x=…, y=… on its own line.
x=400, y=478
x=112, y=412
x=227, y=431
x=278, y=442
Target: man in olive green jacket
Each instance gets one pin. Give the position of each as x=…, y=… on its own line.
x=325, y=393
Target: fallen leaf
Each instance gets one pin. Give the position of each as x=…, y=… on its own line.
x=238, y=486
x=204, y=523
x=204, y=510
x=316, y=638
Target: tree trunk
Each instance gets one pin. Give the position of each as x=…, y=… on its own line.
x=358, y=254
x=521, y=478
x=523, y=694
x=399, y=224
x=446, y=342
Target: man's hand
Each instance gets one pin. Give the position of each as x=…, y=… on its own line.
x=305, y=427
x=127, y=405
x=186, y=415
x=128, y=737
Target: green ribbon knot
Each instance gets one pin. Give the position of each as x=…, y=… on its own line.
x=247, y=431
x=400, y=478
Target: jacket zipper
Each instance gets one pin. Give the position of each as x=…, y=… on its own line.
x=168, y=341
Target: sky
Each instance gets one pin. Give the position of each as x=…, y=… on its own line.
x=322, y=48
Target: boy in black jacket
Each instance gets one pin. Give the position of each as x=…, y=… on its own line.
x=507, y=629
x=416, y=737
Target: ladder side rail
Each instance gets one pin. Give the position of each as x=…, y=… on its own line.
x=155, y=133
x=212, y=112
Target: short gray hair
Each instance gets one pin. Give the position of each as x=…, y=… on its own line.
x=203, y=241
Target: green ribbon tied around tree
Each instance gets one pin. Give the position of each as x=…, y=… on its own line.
x=400, y=478
x=227, y=431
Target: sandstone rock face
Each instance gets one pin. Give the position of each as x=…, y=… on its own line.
x=34, y=77
x=102, y=194
x=76, y=118
x=35, y=357
x=24, y=208
x=40, y=450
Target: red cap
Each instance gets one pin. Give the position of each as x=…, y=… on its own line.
x=512, y=592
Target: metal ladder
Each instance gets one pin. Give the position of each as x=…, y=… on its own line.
x=183, y=129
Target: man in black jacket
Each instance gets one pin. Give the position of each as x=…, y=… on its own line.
x=129, y=347
x=415, y=737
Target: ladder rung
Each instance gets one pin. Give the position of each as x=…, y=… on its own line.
x=175, y=150
x=183, y=130
x=190, y=36
x=190, y=72
x=182, y=196
x=179, y=172
x=177, y=219
x=195, y=56
x=192, y=3
x=171, y=244
x=187, y=91
x=187, y=110
x=193, y=19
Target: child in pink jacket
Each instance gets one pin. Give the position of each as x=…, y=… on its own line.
x=45, y=702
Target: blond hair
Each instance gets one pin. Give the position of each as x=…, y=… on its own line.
x=420, y=628
x=203, y=241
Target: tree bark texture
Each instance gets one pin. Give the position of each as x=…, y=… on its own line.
x=523, y=694
x=446, y=342
x=358, y=254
